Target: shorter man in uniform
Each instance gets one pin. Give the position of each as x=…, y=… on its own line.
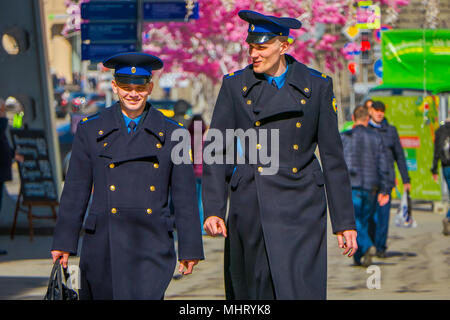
x=366, y=160
x=124, y=154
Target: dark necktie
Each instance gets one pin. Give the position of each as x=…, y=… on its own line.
x=274, y=83
x=132, y=126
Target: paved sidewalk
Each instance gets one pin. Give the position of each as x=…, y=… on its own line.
x=417, y=267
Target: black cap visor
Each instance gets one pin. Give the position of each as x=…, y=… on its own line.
x=132, y=79
x=260, y=37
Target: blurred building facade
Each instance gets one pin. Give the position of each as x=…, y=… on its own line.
x=65, y=61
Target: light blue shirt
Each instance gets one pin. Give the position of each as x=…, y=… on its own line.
x=127, y=121
x=278, y=80
x=373, y=123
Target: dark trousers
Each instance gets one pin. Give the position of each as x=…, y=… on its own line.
x=364, y=204
x=446, y=171
x=379, y=226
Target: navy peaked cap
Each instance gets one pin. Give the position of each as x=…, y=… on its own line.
x=264, y=27
x=133, y=67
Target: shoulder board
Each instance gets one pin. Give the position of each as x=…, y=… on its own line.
x=232, y=74
x=319, y=74
x=174, y=122
x=89, y=118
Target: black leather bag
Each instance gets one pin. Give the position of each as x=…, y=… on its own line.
x=57, y=290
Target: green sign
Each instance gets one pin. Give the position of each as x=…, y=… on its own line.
x=416, y=59
x=416, y=120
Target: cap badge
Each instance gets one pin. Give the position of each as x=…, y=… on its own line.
x=133, y=70
x=252, y=27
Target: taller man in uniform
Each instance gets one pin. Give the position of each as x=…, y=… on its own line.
x=275, y=244
x=123, y=154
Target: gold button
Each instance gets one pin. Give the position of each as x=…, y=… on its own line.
x=298, y=124
x=158, y=145
x=156, y=166
x=105, y=144
x=249, y=102
x=149, y=211
x=111, y=165
x=258, y=146
x=260, y=169
x=295, y=146
x=306, y=89
x=294, y=170
x=161, y=134
x=152, y=188
x=244, y=88
x=257, y=123
x=113, y=210
x=303, y=101
x=100, y=132
x=112, y=188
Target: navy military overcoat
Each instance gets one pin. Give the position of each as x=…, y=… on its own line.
x=128, y=246
x=282, y=215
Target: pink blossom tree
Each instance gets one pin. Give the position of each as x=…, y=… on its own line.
x=214, y=44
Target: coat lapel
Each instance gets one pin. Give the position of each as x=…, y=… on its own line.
x=141, y=145
x=292, y=98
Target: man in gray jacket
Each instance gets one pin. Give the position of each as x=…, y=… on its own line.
x=365, y=156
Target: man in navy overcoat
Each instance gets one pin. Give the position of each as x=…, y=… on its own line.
x=123, y=155
x=275, y=244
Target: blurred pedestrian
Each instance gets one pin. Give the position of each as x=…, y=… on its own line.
x=442, y=153
x=125, y=151
x=7, y=154
x=368, y=103
x=365, y=156
x=197, y=129
x=180, y=109
x=379, y=226
x=275, y=246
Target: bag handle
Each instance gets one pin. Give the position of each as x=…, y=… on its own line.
x=55, y=283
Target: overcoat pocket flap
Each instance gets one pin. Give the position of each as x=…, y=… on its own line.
x=90, y=222
x=318, y=176
x=143, y=156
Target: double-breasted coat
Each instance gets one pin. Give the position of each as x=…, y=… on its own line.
x=128, y=246
x=276, y=243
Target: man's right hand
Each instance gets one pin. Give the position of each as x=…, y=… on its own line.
x=64, y=256
x=383, y=199
x=214, y=226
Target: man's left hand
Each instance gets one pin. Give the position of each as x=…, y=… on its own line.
x=347, y=241
x=188, y=265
